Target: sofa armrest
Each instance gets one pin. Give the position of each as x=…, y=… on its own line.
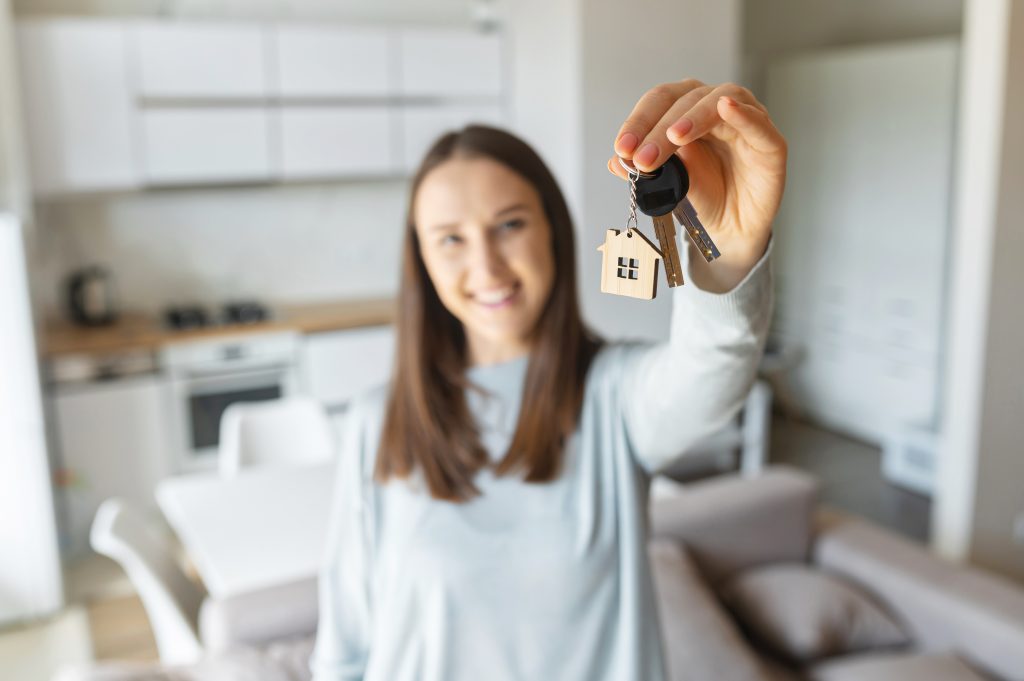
x=944, y=606
x=699, y=638
x=260, y=617
x=729, y=523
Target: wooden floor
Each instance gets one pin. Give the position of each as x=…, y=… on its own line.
x=120, y=630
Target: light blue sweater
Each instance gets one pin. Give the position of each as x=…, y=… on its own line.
x=533, y=582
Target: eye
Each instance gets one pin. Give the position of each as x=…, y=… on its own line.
x=511, y=225
x=450, y=239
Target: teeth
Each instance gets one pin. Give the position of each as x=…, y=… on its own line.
x=496, y=296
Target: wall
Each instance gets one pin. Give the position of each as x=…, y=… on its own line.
x=13, y=184
x=771, y=29
x=981, y=478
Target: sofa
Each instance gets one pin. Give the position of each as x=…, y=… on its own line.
x=754, y=581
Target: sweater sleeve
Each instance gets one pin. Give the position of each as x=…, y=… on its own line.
x=677, y=392
x=343, y=632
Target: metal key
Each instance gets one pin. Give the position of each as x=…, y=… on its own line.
x=662, y=194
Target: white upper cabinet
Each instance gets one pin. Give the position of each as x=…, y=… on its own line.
x=314, y=61
x=195, y=61
x=325, y=141
x=114, y=104
x=208, y=145
x=78, y=105
x=450, y=63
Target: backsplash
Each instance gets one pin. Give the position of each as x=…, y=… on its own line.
x=294, y=243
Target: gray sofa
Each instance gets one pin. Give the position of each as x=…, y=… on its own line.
x=754, y=582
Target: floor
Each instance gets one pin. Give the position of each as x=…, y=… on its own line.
x=106, y=620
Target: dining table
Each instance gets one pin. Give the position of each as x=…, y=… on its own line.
x=264, y=526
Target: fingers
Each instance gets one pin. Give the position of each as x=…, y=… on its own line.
x=648, y=112
x=753, y=125
x=656, y=146
x=704, y=116
x=675, y=114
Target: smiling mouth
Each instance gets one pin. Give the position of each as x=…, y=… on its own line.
x=496, y=298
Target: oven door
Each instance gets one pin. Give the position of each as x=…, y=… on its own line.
x=201, y=398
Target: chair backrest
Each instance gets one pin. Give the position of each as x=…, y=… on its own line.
x=289, y=430
x=171, y=600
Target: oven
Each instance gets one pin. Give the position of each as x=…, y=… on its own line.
x=209, y=375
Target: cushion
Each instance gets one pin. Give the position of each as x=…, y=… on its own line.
x=701, y=642
x=805, y=614
x=895, y=667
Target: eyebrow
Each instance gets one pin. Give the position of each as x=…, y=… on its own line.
x=452, y=225
x=515, y=206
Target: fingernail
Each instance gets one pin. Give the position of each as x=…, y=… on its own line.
x=627, y=143
x=681, y=127
x=647, y=155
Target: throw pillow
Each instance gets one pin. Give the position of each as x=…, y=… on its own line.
x=806, y=614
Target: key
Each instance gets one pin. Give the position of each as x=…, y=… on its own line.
x=661, y=195
x=657, y=194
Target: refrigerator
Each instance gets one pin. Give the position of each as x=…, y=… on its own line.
x=30, y=571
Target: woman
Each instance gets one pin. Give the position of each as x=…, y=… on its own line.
x=490, y=519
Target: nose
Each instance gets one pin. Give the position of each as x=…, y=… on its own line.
x=487, y=262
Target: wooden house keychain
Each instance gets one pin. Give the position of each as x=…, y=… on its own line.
x=629, y=260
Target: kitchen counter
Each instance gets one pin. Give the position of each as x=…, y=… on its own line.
x=140, y=332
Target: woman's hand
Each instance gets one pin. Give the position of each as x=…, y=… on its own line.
x=736, y=160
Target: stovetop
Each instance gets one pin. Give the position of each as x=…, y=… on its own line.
x=182, y=317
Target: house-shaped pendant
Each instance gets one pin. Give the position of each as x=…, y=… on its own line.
x=629, y=264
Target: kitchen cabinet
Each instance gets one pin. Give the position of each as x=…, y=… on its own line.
x=449, y=63
x=77, y=105
x=324, y=61
x=335, y=141
x=336, y=366
x=195, y=146
x=200, y=60
x=137, y=103
x=421, y=125
x=110, y=437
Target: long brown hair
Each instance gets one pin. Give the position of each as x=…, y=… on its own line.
x=428, y=425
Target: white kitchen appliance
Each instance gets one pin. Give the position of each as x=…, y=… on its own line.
x=208, y=375
x=30, y=576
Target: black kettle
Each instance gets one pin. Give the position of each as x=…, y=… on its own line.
x=90, y=294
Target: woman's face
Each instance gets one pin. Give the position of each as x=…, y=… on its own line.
x=486, y=244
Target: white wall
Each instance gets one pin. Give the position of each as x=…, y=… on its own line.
x=772, y=29
x=981, y=477
x=13, y=182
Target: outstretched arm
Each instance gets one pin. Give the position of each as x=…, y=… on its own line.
x=676, y=393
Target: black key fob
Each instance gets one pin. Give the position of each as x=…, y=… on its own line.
x=661, y=191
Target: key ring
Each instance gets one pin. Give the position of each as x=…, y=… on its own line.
x=631, y=222
x=633, y=175
x=633, y=170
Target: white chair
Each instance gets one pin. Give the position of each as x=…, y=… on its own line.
x=171, y=600
x=288, y=430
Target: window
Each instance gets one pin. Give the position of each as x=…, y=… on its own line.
x=629, y=268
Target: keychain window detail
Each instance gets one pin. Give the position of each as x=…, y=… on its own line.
x=629, y=268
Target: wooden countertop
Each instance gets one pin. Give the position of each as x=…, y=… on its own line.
x=141, y=332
